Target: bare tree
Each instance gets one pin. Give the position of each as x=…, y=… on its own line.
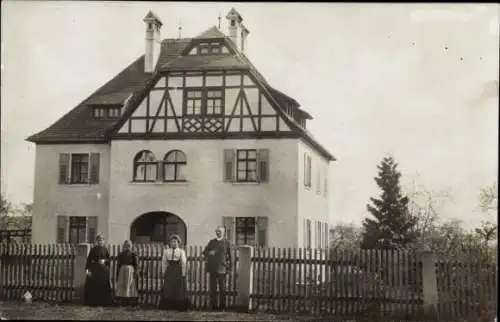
x=345, y=236
x=488, y=198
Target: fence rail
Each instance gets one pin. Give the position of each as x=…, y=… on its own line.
x=319, y=281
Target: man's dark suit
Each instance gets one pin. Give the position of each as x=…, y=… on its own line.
x=218, y=255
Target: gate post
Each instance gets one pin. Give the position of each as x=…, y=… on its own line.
x=429, y=283
x=79, y=273
x=244, y=280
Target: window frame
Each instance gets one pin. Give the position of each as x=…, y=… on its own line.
x=137, y=163
x=91, y=178
x=204, y=98
x=247, y=160
x=82, y=165
x=307, y=170
x=79, y=223
x=177, y=164
x=250, y=230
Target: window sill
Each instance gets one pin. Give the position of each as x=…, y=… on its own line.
x=247, y=183
x=160, y=183
x=78, y=185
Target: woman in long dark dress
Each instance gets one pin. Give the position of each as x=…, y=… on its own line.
x=126, y=276
x=97, y=284
x=174, y=295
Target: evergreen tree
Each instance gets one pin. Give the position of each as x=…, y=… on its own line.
x=393, y=226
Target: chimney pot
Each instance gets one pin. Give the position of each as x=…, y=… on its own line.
x=153, y=41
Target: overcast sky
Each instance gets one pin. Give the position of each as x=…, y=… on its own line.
x=418, y=81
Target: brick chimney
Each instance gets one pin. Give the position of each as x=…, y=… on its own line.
x=153, y=41
x=234, y=20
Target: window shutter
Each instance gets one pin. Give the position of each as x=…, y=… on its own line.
x=62, y=229
x=63, y=168
x=263, y=165
x=229, y=165
x=229, y=225
x=305, y=170
x=325, y=182
x=91, y=229
x=262, y=231
x=318, y=179
x=94, y=168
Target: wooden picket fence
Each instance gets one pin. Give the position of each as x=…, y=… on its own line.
x=334, y=282
x=467, y=289
x=319, y=281
x=44, y=270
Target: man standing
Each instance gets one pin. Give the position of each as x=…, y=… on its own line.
x=218, y=256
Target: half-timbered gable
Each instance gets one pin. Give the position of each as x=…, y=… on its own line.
x=187, y=137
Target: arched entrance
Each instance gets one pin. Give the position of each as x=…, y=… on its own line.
x=157, y=227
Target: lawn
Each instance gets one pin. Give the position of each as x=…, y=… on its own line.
x=53, y=311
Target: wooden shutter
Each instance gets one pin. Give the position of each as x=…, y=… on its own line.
x=229, y=225
x=62, y=229
x=305, y=170
x=91, y=229
x=262, y=231
x=94, y=168
x=263, y=165
x=229, y=165
x=63, y=168
x=325, y=182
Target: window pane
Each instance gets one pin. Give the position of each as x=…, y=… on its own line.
x=151, y=170
x=242, y=175
x=139, y=173
x=169, y=172
x=181, y=172
x=252, y=154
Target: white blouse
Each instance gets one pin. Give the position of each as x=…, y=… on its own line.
x=174, y=254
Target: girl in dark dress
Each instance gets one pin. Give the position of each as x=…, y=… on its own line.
x=126, y=276
x=97, y=284
x=174, y=295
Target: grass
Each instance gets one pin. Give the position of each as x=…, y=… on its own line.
x=53, y=311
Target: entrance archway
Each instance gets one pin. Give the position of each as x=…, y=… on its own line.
x=157, y=227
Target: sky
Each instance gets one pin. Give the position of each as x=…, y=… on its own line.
x=415, y=81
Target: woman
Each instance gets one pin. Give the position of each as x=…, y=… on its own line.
x=126, y=276
x=97, y=284
x=174, y=294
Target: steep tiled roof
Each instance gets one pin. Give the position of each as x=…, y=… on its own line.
x=78, y=125
x=212, y=32
x=222, y=61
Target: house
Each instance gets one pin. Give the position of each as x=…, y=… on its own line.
x=187, y=137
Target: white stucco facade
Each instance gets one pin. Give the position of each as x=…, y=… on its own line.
x=201, y=202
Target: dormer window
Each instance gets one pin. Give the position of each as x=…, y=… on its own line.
x=213, y=48
x=99, y=112
x=106, y=112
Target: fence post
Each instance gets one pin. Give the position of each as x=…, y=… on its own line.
x=79, y=274
x=429, y=283
x=244, y=281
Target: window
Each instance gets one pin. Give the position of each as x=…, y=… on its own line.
x=76, y=229
x=246, y=165
x=308, y=237
x=114, y=112
x=318, y=180
x=79, y=168
x=145, y=167
x=307, y=170
x=245, y=231
x=207, y=101
x=174, y=165
x=214, y=102
x=99, y=112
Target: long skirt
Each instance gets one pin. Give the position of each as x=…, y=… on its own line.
x=98, y=288
x=174, y=294
x=126, y=286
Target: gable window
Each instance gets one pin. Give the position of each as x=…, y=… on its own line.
x=145, y=167
x=76, y=229
x=209, y=48
x=203, y=101
x=174, y=165
x=246, y=165
x=307, y=170
x=79, y=168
